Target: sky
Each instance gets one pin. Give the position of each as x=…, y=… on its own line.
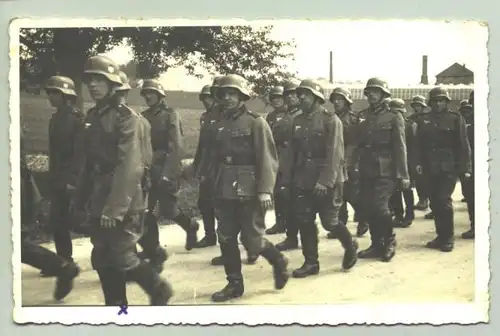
x=392, y=50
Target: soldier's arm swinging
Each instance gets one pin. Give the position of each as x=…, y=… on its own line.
x=129, y=168
x=266, y=156
x=172, y=167
x=399, y=148
x=462, y=148
x=334, y=153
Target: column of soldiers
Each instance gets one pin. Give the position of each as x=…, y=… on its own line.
x=116, y=172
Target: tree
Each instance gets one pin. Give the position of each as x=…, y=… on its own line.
x=245, y=50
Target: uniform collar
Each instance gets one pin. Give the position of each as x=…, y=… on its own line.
x=235, y=113
x=377, y=109
x=315, y=110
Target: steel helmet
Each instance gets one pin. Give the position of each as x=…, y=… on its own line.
x=205, y=92
x=215, y=85
x=236, y=82
x=439, y=92
x=345, y=93
x=152, y=84
x=125, y=86
x=418, y=100
x=276, y=91
x=464, y=102
x=289, y=86
x=62, y=84
x=312, y=86
x=397, y=104
x=377, y=83
x=104, y=66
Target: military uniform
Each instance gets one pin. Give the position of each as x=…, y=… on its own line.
x=444, y=155
x=65, y=128
x=110, y=186
x=280, y=123
x=318, y=158
x=204, y=170
x=420, y=181
x=382, y=162
x=468, y=183
x=36, y=255
x=350, y=122
x=246, y=161
x=166, y=142
x=398, y=105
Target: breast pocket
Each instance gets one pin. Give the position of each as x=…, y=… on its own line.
x=317, y=144
x=241, y=140
x=382, y=135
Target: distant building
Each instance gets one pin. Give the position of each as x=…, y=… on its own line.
x=455, y=74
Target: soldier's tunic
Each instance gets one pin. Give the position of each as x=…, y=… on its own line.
x=110, y=183
x=247, y=163
x=411, y=157
x=318, y=157
x=420, y=181
x=281, y=123
x=468, y=184
x=203, y=166
x=351, y=185
x=444, y=155
x=65, y=129
x=382, y=160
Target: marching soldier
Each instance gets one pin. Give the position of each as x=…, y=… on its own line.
x=318, y=173
x=342, y=102
x=398, y=105
x=278, y=122
x=444, y=155
x=464, y=110
x=283, y=182
x=65, y=128
x=201, y=164
x=111, y=184
x=36, y=255
x=246, y=160
x=166, y=141
x=468, y=184
x=419, y=106
x=381, y=155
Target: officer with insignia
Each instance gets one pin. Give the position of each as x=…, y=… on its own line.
x=419, y=107
x=468, y=184
x=202, y=163
x=342, y=102
x=444, y=155
x=382, y=162
x=65, y=129
x=283, y=182
x=166, y=141
x=318, y=172
x=246, y=161
x=398, y=105
x=110, y=185
x=278, y=122
x=36, y=255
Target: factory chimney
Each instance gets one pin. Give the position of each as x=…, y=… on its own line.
x=424, y=79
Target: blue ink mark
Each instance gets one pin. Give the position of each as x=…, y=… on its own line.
x=123, y=310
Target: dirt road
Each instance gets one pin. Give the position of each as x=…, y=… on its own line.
x=416, y=274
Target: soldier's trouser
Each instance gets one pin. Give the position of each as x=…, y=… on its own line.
x=351, y=188
x=374, y=205
x=206, y=206
x=441, y=187
x=237, y=216
x=40, y=257
x=396, y=203
x=114, y=254
x=468, y=191
x=422, y=187
x=60, y=223
x=306, y=205
x=281, y=200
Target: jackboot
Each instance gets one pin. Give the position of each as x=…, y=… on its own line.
x=375, y=249
x=279, y=264
x=64, y=282
x=350, y=246
x=389, y=247
x=217, y=261
x=277, y=228
x=113, y=283
x=157, y=260
x=191, y=227
x=469, y=234
x=362, y=229
x=210, y=238
x=422, y=204
x=158, y=289
x=429, y=215
x=234, y=289
x=232, y=267
x=309, y=242
x=288, y=244
x=207, y=241
x=252, y=258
